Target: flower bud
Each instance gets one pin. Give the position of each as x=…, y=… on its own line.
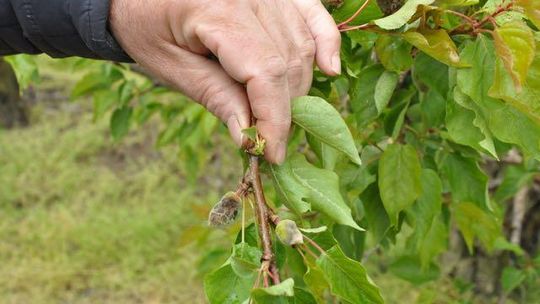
x=288, y=233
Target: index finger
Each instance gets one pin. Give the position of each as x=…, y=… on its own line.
x=248, y=54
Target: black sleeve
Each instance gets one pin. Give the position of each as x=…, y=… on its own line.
x=59, y=28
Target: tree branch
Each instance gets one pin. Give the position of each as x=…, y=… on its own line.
x=519, y=207
x=262, y=213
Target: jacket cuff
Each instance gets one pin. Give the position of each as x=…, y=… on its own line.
x=64, y=28
x=91, y=18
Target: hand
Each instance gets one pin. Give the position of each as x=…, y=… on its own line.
x=265, y=49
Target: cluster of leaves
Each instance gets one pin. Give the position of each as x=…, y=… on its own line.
x=393, y=149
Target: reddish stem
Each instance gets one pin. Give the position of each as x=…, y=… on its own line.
x=312, y=242
x=310, y=252
x=261, y=211
x=501, y=9
x=356, y=27
x=351, y=18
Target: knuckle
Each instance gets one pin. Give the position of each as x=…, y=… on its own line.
x=273, y=67
x=296, y=68
x=308, y=48
x=212, y=97
x=295, y=65
x=273, y=115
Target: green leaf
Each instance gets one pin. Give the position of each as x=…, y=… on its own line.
x=467, y=182
x=402, y=16
x=399, y=179
x=531, y=8
x=302, y=296
x=515, y=177
x=527, y=100
x=314, y=230
x=435, y=241
x=245, y=260
x=316, y=283
x=376, y=216
x=290, y=191
x=511, y=278
x=363, y=95
x=394, y=52
x=25, y=68
x=307, y=112
x=384, y=89
x=348, y=8
x=223, y=286
x=103, y=101
x=348, y=278
x=409, y=268
x=426, y=209
x=318, y=187
x=327, y=155
x=466, y=125
x=473, y=222
x=506, y=122
x=431, y=79
x=90, y=82
x=120, y=121
x=430, y=74
x=446, y=3
x=515, y=46
x=126, y=92
x=437, y=44
x=251, y=133
x=276, y=294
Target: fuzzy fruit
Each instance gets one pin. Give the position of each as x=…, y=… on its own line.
x=288, y=233
x=225, y=211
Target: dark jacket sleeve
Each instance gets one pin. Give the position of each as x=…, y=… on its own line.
x=59, y=28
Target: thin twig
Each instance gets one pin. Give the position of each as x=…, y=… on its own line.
x=519, y=208
x=356, y=27
x=310, y=252
x=501, y=9
x=351, y=18
x=312, y=242
x=301, y=253
x=463, y=16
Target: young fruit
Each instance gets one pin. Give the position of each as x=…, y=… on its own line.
x=288, y=233
x=225, y=211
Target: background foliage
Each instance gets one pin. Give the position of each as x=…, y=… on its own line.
x=430, y=142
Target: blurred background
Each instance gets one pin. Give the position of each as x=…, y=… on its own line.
x=94, y=215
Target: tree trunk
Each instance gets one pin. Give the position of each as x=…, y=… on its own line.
x=12, y=111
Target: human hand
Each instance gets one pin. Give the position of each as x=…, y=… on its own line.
x=265, y=49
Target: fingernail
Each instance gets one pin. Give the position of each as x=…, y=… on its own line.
x=336, y=63
x=280, y=152
x=234, y=128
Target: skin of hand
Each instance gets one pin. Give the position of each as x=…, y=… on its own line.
x=265, y=51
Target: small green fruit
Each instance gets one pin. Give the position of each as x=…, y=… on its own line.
x=288, y=233
x=225, y=211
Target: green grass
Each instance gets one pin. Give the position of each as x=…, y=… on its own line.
x=84, y=220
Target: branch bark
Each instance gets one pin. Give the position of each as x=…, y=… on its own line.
x=519, y=207
x=263, y=218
